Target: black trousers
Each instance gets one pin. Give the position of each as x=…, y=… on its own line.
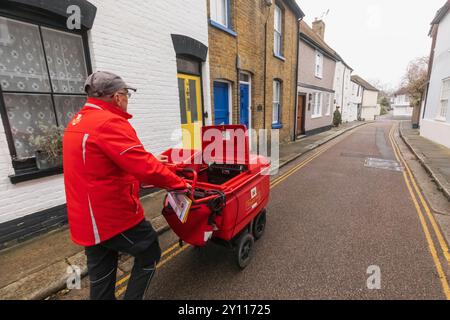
x=141, y=242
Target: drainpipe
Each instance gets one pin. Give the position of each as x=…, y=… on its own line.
x=296, y=81
x=265, y=71
x=362, y=103
x=343, y=88
x=238, y=70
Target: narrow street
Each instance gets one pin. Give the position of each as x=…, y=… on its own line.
x=275, y=150
x=327, y=224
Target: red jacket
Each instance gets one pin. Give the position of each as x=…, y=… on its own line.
x=104, y=163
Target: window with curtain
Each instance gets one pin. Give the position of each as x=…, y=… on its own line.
x=276, y=116
x=445, y=96
x=317, y=110
x=220, y=12
x=278, y=33
x=42, y=74
x=327, y=102
x=319, y=65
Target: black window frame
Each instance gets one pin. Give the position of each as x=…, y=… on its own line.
x=26, y=170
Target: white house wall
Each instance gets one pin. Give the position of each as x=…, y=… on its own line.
x=402, y=106
x=370, y=107
x=343, y=92
x=132, y=39
x=431, y=128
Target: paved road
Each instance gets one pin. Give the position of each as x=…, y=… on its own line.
x=327, y=224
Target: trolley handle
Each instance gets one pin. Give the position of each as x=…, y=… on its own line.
x=194, y=174
x=194, y=181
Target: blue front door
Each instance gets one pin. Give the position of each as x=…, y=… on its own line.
x=221, y=104
x=245, y=106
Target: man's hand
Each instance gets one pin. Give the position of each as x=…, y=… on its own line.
x=190, y=191
x=163, y=159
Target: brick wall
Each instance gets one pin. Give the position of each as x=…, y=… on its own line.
x=131, y=38
x=249, y=18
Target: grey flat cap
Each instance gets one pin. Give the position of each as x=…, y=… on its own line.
x=102, y=84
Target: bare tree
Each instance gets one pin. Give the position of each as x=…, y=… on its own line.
x=415, y=80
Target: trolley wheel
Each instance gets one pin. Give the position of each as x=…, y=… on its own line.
x=259, y=226
x=244, y=250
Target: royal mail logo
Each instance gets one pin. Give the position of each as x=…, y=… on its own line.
x=77, y=120
x=254, y=192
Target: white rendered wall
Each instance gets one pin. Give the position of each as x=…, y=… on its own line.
x=436, y=131
x=432, y=127
x=132, y=39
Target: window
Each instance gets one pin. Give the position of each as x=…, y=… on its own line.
x=42, y=74
x=319, y=65
x=445, y=96
x=276, y=103
x=278, y=33
x=220, y=12
x=317, y=105
x=244, y=77
x=327, y=100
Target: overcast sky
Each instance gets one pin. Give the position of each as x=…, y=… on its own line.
x=377, y=38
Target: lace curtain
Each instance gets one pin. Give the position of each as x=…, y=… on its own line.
x=22, y=62
x=27, y=114
x=23, y=68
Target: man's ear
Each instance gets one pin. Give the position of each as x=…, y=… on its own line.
x=115, y=99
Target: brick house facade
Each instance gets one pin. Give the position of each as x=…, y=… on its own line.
x=246, y=59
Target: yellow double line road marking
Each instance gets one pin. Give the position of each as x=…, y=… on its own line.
x=407, y=172
x=163, y=261
x=273, y=184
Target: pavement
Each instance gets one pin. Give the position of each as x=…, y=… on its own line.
x=39, y=268
x=434, y=157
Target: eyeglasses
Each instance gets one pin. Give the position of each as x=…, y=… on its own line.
x=126, y=93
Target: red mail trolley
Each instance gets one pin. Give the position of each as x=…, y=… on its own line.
x=230, y=191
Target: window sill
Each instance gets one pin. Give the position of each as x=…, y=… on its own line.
x=277, y=126
x=440, y=119
x=223, y=28
x=316, y=116
x=34, y=174
x=279, y=57
x=319, y=77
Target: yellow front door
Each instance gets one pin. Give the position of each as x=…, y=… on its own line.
x=191, y=110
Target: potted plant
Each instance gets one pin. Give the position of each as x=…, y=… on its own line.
x=337, y=118
x=48, y=146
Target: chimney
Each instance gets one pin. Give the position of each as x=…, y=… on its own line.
x=318, y=27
